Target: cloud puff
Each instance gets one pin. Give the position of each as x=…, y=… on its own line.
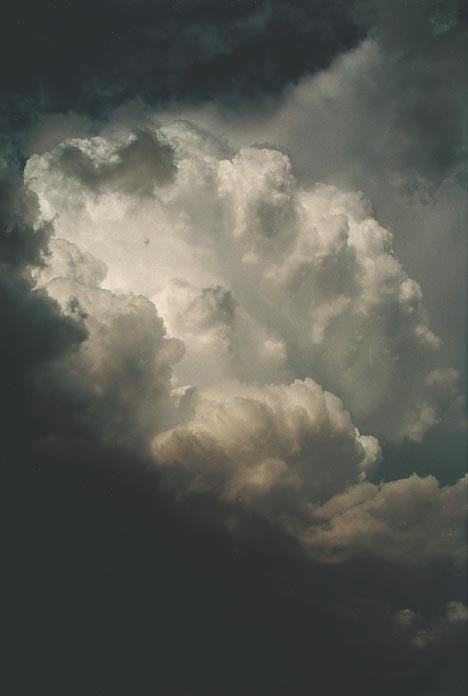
x=413, y=519
x=65, y=260
x=256, y=187
x=284, y=449
x=312, y=283
x=247, y=442
x=225, y=342
x=122, y=371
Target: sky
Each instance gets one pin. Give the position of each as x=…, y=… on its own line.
x=233, y=356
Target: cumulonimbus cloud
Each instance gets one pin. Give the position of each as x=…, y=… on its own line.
x=265, y=290
x=265, y=279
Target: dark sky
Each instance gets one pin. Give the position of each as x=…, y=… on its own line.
x=81, y=55
x=113, y=584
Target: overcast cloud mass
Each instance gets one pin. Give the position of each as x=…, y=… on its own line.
x=232, y=299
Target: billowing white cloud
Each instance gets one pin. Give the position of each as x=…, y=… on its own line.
x=292, y=454
x=125, y=364
x=267, y=290
x=263, y=279
x=367, y=122
x=249, y=442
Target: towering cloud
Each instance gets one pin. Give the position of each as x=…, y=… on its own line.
x=233, y=348
x=259, y=443
x=264, y=279
x=284, y=284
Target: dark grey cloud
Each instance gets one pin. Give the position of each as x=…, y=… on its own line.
x=392, y=109
x=425, y=48
x=82, y=54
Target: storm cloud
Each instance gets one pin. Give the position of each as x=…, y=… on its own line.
x=233, y=348
x=265, y=277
